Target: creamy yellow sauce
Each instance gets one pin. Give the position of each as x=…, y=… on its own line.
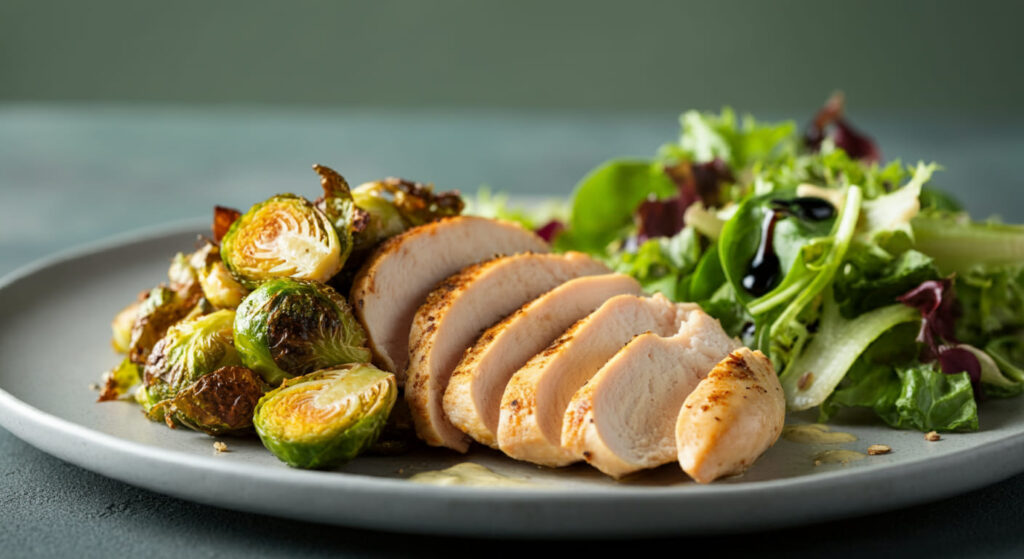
x=838, y=457
x=468, y=474
x=815, y=433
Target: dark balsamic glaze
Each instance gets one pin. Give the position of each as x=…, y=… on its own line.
x=764, y=269
x=807, y=208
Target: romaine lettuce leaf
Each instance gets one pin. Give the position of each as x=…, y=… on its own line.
x=903, y=392
x=932, y=400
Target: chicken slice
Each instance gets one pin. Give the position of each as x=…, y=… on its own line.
x=731, y=418
x=474, y=392
x=454, y=315
x=397, y=277
x=624, y=419
x=530, y=422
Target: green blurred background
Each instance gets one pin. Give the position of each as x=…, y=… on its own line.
x=149, y=112
x=599, y=54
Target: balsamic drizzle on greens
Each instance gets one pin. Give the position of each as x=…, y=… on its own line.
x=764, y=270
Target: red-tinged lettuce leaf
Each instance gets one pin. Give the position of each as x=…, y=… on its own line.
x=550, y=230
x=936, y=302
x=703, y=182
x=956, y=359
x=660, y=218
x=830, y=118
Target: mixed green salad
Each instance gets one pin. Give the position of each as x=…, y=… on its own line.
x=866, y=286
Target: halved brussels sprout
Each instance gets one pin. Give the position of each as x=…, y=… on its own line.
x=326, y=418
x=220, y=288
x=161, y=308
x=217, y=403
x=189, y=350
x=118, y=382
x=289, y=327
x=285, y=236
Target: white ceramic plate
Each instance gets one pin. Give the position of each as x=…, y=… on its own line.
x=54, y=342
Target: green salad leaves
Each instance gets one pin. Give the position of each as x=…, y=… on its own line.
x=867, y=286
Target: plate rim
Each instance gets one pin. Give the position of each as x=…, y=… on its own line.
x=54, y=435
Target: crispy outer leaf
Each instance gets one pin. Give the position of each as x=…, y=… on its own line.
x=189, y=350
x=219, y=402
x=118, y=382
x=222, y=220
x=161, y=309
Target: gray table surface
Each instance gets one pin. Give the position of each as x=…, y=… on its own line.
x=71, y=174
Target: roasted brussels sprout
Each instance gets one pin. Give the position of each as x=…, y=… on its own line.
x=395, y=205
x=121, y=327
x=222, y=220
x=326, y=418
x=289, y=327
x=190, y=349
x=161, y=308
x=283, y=237
x=219, y=287
x=218, y=403
x=338, y=206
x=184, y=280
x=118, y=382
x=383, y=219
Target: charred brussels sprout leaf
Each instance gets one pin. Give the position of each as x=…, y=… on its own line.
x=184, y=280
x=220, y=288
x=118, y=382
x=292, y=327
x=283, y=237
x=419, y=204
x=383, y=219
x=337, y=204
x=326, y=418
x=161, y=309
x=222, y=220
x=189, y=350
x=220, y=402
x=121, y=327
x=394, y=205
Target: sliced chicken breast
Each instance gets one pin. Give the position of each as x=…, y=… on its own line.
x=624, y=419
x=397, y=277
x=455, y=314
x=473, y=396
x=534, y=402
x=731, y=418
